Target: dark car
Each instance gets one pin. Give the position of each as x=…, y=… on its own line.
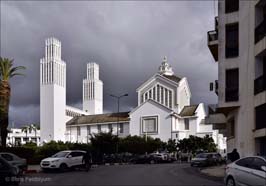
x=9, y=174
x=142, y=159
x=203, y=159
x=15, y=160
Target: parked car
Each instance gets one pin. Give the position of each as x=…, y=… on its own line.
x=246, y=171
x=63, y=160
x=142, y=159
x=9, y=174
x=15, y=160
x=160, y=157
x=203, y=159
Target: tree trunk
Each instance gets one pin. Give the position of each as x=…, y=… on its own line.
x=4, y=107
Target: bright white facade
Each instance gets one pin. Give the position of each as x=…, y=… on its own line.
x=53, y=92
x=18, y=137
x=240, y=49
x=93, y=90
x=164, y=110
x=81, y=128
x=54, y=113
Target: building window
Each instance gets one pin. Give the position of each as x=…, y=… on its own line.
x=231, y=6
x=153, y=93
x=166, y=97
x=170, y=99
x=231, y=127
x=110, y=128
x=121, y=128
x=142, y=98
x=260, y=116
x=150, y=94
x=186, y=123
x=99, y=127
x=146, y=96
x=162, y=93
x=78, y=130
x=88, y=129
x=150, y=124
x=158, y=93
x=232, y=40
x=232, y=85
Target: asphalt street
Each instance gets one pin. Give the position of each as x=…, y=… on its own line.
x=129, y=175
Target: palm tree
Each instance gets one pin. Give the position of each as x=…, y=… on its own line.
x=7, y=71
x=25, y=129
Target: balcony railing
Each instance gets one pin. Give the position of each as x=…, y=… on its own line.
x=231, y=94
x=260, y=84
x=260, y=31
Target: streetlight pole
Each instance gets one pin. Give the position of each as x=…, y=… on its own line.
x=118, y=104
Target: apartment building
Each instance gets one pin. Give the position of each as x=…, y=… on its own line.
x=238, y=44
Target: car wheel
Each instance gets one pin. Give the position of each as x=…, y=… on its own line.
x=230, y=182
x=63, y=167
x=152, y=162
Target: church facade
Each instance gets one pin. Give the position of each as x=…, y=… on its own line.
x=163, y=109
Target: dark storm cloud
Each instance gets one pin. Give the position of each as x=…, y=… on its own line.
x=127, y=39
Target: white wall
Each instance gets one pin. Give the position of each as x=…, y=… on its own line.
x=85, y=137
x=150, y=108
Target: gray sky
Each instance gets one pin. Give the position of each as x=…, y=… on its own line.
x=127, y=39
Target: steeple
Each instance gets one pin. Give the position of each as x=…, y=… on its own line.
x=165, y=68
x=93, y=90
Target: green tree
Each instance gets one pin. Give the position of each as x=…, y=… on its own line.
x=7, y=71
x=194, y=144
x=104, y=143
x=171, y=145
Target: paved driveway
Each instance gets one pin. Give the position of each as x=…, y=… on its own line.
x=157, y=174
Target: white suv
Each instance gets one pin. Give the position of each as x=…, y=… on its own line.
x=63, y=160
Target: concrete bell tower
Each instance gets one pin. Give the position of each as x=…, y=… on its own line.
x=93, y=90
x=52, y=92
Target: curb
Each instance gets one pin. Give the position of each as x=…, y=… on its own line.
x=31, y=171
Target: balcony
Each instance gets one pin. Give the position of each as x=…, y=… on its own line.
x=260, y=84
x=260, y=31
x=213, y=43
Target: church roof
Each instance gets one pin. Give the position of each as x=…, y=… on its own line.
x=188, y=111
x=99, y=118
x=172, y=77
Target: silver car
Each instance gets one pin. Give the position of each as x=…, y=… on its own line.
x=13, y=159
x=248, y=171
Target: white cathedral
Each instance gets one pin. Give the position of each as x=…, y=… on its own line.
x=163, y=109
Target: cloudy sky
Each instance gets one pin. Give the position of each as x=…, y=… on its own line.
x=127, y=39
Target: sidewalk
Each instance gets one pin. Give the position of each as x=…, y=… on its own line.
x=33, y=169
x=217, y=171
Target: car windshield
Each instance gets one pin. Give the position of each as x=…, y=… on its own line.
x=201, y=156
x=60, y=154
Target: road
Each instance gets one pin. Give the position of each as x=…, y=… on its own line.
x=129, y=175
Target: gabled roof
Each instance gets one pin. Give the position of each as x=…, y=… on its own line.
x=152, y=102
x=99, y=118
x=188, y=111
x=173, y=78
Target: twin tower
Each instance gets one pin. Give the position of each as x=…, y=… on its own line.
x=53, y=92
